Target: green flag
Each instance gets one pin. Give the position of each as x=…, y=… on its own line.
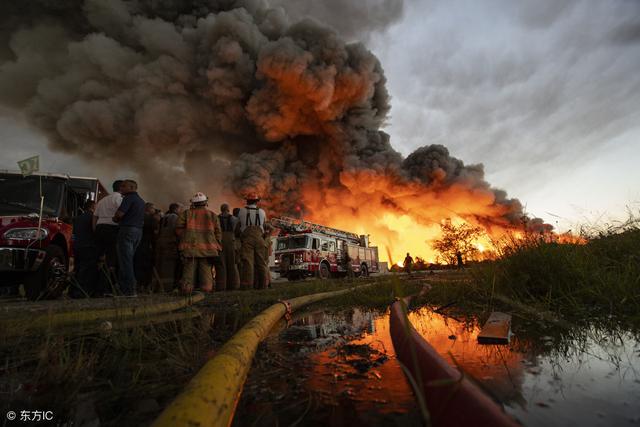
x=30, y=165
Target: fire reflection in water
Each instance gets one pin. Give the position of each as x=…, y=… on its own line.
x=360, y=378
x=498, y=369
x=340, y=369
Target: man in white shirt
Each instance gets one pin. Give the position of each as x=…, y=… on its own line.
x=106, y=231
x=251, y=228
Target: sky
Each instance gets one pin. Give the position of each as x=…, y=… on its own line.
x=544, y=93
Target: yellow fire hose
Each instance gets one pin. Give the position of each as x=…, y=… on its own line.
x=20, y=325
x=211, y=396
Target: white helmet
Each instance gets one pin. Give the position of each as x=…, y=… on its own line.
x=199, y=198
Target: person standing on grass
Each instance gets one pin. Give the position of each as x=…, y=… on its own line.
x=228, y=225
x=106, y=231
x=167, y=257
x=199, y=235
x=130, y=217
x=459, y=259
x=85, y=254
x=143, y=260
x=347, y=263
x=408, y=263
x=251, y=225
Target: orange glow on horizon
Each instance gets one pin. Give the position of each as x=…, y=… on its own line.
x=403, y=217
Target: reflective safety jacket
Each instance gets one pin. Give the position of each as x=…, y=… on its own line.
x=201, y=235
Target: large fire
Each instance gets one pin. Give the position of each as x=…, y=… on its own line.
x=406, y=217
x=229, y=99
x=403, y=216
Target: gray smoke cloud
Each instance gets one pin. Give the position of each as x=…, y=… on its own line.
x=353, y=20
x=230, y=96
x=538, y=87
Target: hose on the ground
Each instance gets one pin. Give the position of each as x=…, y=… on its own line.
x=211, y=396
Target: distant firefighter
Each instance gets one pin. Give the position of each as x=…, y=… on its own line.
x=459, y=259
x=199, y=237
x=408, y=263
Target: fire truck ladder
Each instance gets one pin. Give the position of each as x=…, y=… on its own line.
x=296, y=225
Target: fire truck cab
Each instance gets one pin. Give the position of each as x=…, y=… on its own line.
x=306, y=249
x=39, y=259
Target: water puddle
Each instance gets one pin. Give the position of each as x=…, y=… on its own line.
x=340, y=369
x=328, y=369
x=587, y=378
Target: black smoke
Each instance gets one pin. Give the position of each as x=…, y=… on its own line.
x=225, y=96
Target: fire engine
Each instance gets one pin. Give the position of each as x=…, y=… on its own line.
x=306, y=249
x=39, y=259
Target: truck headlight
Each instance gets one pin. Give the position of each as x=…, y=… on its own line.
x=25, y=234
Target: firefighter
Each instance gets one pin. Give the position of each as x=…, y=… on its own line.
x=251, y=227
x=199, y=236
x=228, y=225
x=459, y=259
x=408, y=263
x=346, y=263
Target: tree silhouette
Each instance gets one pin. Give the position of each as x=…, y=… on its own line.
x=457, y=240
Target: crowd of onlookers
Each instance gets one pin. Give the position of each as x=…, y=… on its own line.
x=124, y=245
x=109, y=238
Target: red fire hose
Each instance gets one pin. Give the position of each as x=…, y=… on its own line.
x=451, y=399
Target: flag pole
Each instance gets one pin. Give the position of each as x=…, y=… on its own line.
x=41, y=209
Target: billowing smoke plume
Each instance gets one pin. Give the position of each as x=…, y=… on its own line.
x=231, y=96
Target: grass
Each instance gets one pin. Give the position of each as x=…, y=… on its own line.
x=248, y=304
x=110, y=372
x=579, y=282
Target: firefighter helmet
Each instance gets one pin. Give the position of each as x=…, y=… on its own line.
x=252, y=196
x=199, y=198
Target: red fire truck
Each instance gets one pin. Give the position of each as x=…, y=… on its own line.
x=306, y=249
x=39, y=260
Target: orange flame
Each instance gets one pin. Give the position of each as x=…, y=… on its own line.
x=405, y=217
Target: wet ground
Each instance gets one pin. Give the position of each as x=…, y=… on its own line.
x=340, y=369
x=328, y=369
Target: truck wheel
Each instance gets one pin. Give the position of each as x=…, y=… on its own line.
x=49, y=280
x=364, y=270
x=292, y=277
x=324, y=272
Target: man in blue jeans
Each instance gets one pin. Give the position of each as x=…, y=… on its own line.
x=130, y=218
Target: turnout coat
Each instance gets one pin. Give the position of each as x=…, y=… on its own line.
x=201, y=235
